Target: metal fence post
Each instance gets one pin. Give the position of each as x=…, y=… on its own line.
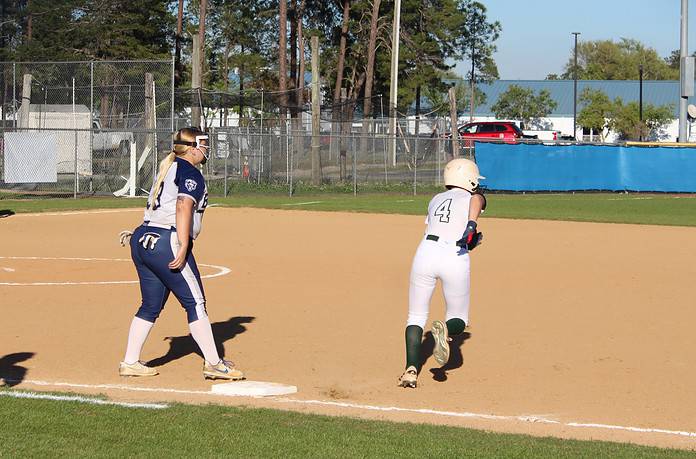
x=171, y=111
x=415, y=167
x=292, y=169
x=355, y=165
x=227, y=154
x=438, y=149
x=14, y=92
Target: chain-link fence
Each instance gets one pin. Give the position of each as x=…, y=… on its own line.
x=73, y=128
x=83, y=128
x=118, y=94
x=249, y=156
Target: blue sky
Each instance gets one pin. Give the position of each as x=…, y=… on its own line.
x=536, y=38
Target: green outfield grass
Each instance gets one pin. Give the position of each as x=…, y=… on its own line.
x=43, y=428
x=655, y=209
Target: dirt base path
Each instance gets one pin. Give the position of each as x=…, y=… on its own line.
x=591, y=324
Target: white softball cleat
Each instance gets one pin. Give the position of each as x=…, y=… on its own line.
x=441, y=352
x=224, y=369
x=408, y=379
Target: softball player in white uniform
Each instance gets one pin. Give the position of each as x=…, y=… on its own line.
x=444, y=254
x=161, y=249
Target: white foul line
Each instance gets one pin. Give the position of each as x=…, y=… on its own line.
x=222, y=271
x=76, y=398
x=79, y=212
x=456, y=414
x=302, y=203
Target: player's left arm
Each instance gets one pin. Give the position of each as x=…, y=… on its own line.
x=472, y=237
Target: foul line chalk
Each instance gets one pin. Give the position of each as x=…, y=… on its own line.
x=536, y=419
x=76, y=398
x=79, y=212
x=302, y=203
x=222, y=271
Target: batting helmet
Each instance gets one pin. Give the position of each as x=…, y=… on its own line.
x=462, y=173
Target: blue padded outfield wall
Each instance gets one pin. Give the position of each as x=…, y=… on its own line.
x=534, y=167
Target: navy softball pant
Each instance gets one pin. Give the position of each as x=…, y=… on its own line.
x=152, y=249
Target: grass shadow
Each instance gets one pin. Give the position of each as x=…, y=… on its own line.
x=12, y=374
x=6, y=213
x=181, y=346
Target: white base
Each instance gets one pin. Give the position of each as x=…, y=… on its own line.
x=252, y=388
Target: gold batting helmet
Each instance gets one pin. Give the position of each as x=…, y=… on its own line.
x=462, y=173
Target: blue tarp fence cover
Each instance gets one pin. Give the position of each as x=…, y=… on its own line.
x=535, y=167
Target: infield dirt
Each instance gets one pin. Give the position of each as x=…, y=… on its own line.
x=571, y=322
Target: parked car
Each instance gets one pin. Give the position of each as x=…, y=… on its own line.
x=505, y=131
x=539, y=134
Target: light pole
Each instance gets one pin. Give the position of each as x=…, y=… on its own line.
x=393, y=86
x=575, y=88
x=640, y=102
x=686, y=73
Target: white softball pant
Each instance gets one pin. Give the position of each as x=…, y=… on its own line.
x=445, y=261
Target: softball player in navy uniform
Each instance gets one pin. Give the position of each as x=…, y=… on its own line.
x=444, y=254
x=161, y=249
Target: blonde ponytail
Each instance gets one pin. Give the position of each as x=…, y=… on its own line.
x=164, y=166
x=185, y=134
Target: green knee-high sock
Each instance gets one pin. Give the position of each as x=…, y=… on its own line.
x=455, y=327
x=414, y=336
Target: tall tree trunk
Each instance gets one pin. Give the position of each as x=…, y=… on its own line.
x=472, y=96
x=301, y=56
x=30, y=21
x=241, y=88
x=418, y=108
x=201, y=55
x=348, y=112
x=282, y=60
x=292, y=18
x=283, y=74
x=226, y=70
x=337, y=112
x=177, y=49
x=201, y=27
x=367, y=124
x=300, y=82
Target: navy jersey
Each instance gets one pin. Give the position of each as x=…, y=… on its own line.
x=182, y=179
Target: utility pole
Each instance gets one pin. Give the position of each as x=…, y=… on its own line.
x=575, y=88
x=686, y=74
x=393, y=86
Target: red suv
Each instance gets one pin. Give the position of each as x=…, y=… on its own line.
x=505, y=131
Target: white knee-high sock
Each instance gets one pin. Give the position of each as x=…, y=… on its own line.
x=137, y=335
x=203, y=335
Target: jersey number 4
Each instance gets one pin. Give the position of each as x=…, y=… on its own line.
x=443, y=211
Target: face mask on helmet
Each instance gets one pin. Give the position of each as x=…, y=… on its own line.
x=205, y=149
x=198, y=143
